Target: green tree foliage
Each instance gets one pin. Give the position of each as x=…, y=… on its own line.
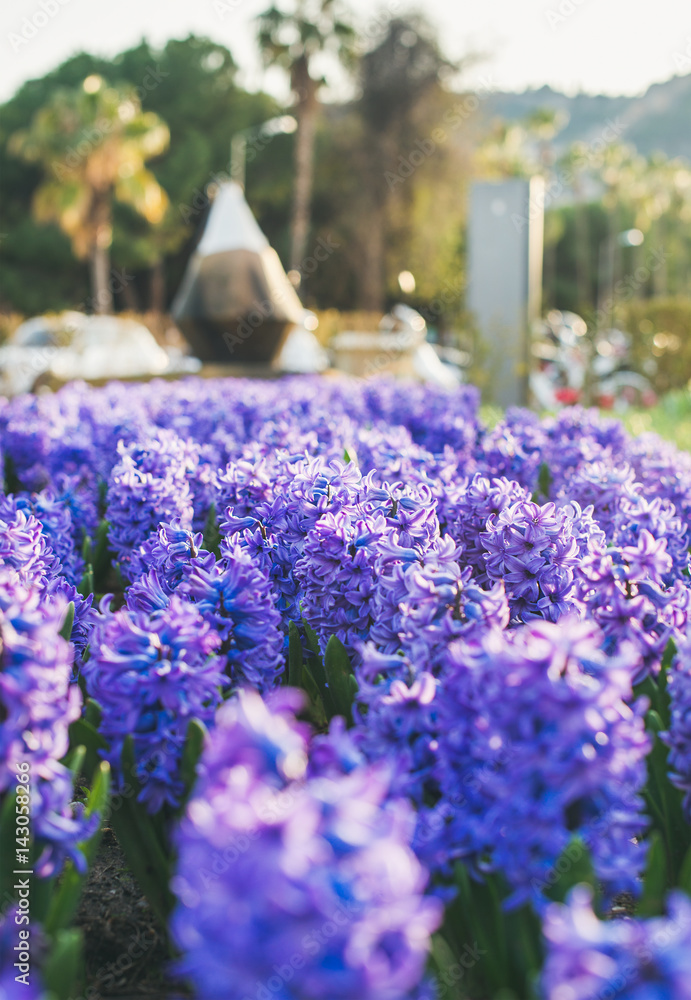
x=190, y=86
x=92, y=143
x=292, y=39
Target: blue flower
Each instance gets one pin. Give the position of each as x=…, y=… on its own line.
x=631, y=959
x=236, y=599
x=37, y=704
x=303, y=887
x=152, y=674
x=148, y=486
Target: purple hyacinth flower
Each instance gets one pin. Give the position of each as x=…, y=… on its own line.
x=631, y=959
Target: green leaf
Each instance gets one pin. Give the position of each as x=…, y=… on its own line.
x=443, y=965
x=573, y=867
x=652, y=900
x=83, y=733
x=315, y=667
x=75, y=760
x=685, y=873
x=212, y=536
x=68, y=622
x=8, y=843
x=294, y=656
x=312, y=639
x=663, y=702
x=93, y=713
x=86, y=584
x=339, y=672
x=544, y=480
x=62, y=971
x=316, y=711
x=664, y=801
x=65, y=899
x=12, y=483
x=87, y=548
x=138, y=835
x=102, y=557
x=476, y=916
x=192, y=751
x=667, y=657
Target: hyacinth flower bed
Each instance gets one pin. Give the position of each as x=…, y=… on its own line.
x=378, y=702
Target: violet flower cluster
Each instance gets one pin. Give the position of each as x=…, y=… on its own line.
x=498, y=591
x=632, y=959
x=149, y=485
x=151, y=674
x=678, y=738
x=38, y=703
x=295, y=886
x=623, y=590
x=532, y=549
x=524, y=740
x=26, y=546
x=232, y=594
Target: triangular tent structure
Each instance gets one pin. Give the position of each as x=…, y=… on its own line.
x=235, y=304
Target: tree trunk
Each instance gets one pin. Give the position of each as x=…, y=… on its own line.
x=371, y=282
x=99, y=266
x=157, y=288
x=306, y=89
x=129, y=296
x=382, y=148
x=99, y=257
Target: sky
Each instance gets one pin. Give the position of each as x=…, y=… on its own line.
x=597, y=46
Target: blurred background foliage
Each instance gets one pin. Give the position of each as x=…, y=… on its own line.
x=391, y=171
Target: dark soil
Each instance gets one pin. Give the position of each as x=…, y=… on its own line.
x=124, y=943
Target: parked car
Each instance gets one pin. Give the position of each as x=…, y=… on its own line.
x=71, y=345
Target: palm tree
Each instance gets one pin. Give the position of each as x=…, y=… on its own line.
x=93, y=142
x=291, y=39
x=401, y=94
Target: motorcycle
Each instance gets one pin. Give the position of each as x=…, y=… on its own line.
x=568, y=368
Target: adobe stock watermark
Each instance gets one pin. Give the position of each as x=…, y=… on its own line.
x=596, y=828
x=117, y=282
x=449, y=294
x=566, y=175
x=312, y=944
x=375, y=25
x=107, y=976
x=254, y=144
x=274, y=809
x=449, y=978
x=223, y=7
x=682, y=58
x=261, y=311
x=92, y=137
x=562, y=11
x=31, y=25
x=626, y=287
x=427, y=146
x=201, y=199
x=641, y=955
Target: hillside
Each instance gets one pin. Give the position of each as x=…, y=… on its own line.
x=658, y=120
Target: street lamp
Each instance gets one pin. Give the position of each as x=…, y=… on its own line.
x=282, y=125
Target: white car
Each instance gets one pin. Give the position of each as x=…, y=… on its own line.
x=74, y=346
